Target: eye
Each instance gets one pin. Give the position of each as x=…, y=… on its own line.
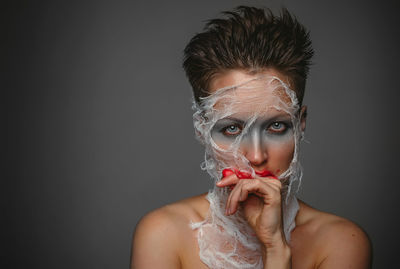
x=231, y=130
x=277, y=127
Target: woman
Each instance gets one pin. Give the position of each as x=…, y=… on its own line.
x=248, y=73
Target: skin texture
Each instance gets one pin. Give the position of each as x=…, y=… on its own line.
x=164, y=239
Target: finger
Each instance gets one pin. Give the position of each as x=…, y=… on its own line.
x=273, y=181
x=228, y=180
x=238, y=194
x=269, y=193
x=228, y=201
x=269, y=190
x=233, y=193
x=228, y=205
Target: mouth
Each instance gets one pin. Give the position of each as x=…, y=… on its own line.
x=245, y=175
x=265, y=173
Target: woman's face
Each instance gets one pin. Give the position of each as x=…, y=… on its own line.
x=255, y=120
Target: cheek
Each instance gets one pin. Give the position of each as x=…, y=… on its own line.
x=280, y=156
x=224, y=143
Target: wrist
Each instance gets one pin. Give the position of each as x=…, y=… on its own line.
x=277, y=256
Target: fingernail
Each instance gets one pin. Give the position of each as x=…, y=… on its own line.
x=227, y=172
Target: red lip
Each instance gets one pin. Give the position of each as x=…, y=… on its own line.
x=265, y=173
x=244, y=175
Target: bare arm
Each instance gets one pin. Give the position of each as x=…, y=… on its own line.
x=155, y=242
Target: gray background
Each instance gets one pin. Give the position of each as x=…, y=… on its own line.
x=99, y=130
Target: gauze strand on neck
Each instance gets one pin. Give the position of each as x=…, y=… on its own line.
x=229, y=241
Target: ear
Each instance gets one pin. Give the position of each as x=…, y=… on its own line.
x=303, y=118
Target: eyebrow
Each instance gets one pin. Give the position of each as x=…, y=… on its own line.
x=233, y=119
x=229, y=120
x=273, y=118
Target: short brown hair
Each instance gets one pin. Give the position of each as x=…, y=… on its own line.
x=249, y=38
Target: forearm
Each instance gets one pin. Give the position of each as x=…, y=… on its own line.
x=277, y=258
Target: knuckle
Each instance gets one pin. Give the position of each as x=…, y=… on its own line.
x=276, y=183
x=276, y=198
x=246, y=182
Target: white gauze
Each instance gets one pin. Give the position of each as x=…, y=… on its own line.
x=229, y=241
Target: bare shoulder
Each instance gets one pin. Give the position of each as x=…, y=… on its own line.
x=159, y=236
x=338, y=242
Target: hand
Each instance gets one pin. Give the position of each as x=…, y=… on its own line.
x=261, y=201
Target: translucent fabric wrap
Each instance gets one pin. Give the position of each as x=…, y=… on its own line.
x=229, y=241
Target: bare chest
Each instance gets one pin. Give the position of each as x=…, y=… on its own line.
x=303, y=254
x=190, y=252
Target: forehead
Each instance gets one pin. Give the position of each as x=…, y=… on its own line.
x=238, y=76
x=243, y=93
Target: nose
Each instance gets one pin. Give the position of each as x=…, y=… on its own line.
x=254, y=150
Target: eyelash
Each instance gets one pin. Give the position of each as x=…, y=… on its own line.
x=282, y=129
x=225, y=130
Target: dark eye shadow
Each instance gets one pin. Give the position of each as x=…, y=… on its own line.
x=285, y=120
x=226, y=122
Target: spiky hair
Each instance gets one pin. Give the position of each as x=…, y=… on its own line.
x=252, y=39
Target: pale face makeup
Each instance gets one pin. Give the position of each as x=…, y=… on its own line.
x=267, y=142
x=251, y=125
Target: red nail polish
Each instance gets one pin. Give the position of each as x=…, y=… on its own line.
x=227, y=172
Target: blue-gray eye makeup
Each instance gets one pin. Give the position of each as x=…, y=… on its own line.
x=279, y=127
x=231, y=130
x=227, y=128
x=270, y=129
